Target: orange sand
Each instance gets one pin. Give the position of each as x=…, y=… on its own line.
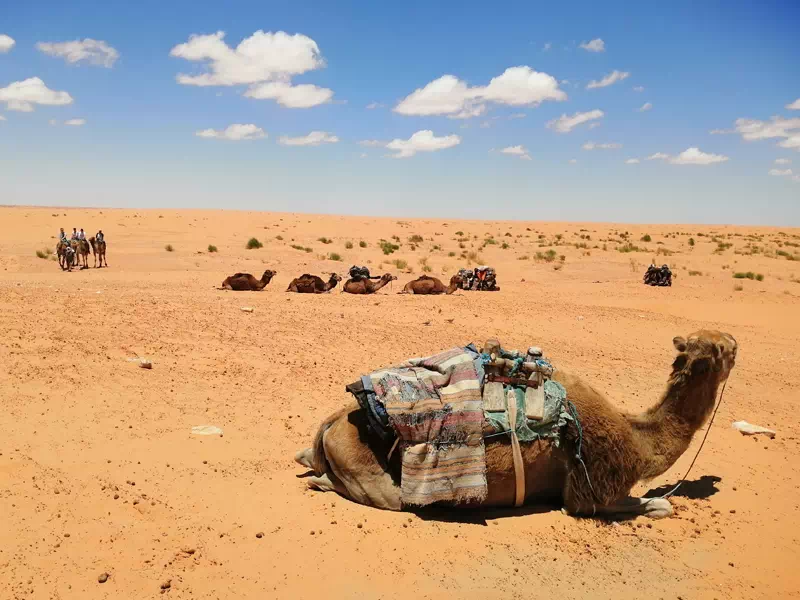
x=99, y=471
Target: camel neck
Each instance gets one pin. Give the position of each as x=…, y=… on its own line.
x=666, y=430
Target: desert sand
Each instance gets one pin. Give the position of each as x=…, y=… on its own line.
x=100, y=473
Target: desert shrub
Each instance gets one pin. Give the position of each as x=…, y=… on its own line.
x=212, y=248
x=325, y=240
x=582, y=245
x=695, y=273
x=253, y=243
x=523, y=257
x=664, y=251
x=646, y=238
x=427, y=268
x=388, y=247
x=691, y=241
x=472, y=256
x=629, y=247
x=335, y=256
x=169, y=248
x=459, y=233
x=748, y=275
x=362, y=244
x=490, y=242
x=400, y=263
x=41, y=254
x=436, y=247
x=451, y=254
x=558, y=266
x=416, y=239
x=738, y=287
x=348, y=245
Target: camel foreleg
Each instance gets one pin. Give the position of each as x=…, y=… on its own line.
x=654, y=508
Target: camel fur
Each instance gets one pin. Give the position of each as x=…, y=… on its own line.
x=426, y=285
x=311, y=284
x=245, y=282
x=619, y=449
x=367, y=286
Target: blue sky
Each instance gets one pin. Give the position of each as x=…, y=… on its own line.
x=149, y=140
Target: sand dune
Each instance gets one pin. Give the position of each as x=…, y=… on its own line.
x=100, y=473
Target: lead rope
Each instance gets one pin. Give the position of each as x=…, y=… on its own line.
x=708, y=429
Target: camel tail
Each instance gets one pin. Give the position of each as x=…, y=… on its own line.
x=319, y=462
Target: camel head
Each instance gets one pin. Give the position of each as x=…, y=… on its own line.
x=387, y=277
x=268, y=275
x=705, y=351
x=335, y=277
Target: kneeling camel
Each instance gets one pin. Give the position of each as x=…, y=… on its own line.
x=367, y=286
x=619, y=449
x=245, y=282
x=426, y=285
x=311, y=284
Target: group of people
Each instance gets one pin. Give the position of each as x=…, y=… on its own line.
x=78, y=235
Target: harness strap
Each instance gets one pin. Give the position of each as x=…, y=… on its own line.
x=519, y=467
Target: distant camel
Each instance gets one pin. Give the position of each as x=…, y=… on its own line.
x=431, y=285
x=61, y=252
x=367, y=286
x=98, y=250
x=311, y=284
x=244, y=282
x=81, y=248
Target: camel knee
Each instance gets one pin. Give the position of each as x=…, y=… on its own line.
x=322, y=483
x=305, y=458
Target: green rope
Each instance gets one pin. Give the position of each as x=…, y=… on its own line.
x=574, y=413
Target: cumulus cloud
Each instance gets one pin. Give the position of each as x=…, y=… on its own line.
x=776, y=127
x=690, y=156
x=235, y=133
x=266, y=61
x=791, y=106
x=565, y=124
x=290, y=96
x=609, y=79
x=23, y=95
x=93, y=52
x=638, y=88
x=75, y=122
x=315, y=138
x=782, y=161
x=632, y=161
x=595, y=45
x=645, y=107
x=6, y=43
x=780, y=172
x=448, y=95
x=422, y=141
x=520, y=151
x=593, y=146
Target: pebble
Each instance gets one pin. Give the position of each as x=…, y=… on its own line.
x=166, y=585
x=733, y=511
x=259, y=535
x=102, y=578
x=116, y=496
x=359, y=526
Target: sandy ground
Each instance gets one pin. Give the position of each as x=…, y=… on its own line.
x=99, y=471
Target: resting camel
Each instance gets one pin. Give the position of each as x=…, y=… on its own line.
x=367, y=286
x=431, y=285
x=311, y=284
x=98, y=250
x=245, y=282
x=619, y=449
x=81, y=248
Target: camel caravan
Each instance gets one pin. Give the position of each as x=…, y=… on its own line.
x=361, y=282
x=74, y=251
x=494, y=428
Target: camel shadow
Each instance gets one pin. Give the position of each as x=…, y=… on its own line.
x=698, y=489
x=478, y=516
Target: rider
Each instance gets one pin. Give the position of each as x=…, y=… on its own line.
x=62, y=237
x=81, y=235
x=100, y=237
x=74, y=234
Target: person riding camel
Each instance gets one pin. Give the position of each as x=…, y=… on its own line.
x=100, y=237
x=62, y=236
x=81, y=235
x=74, y=234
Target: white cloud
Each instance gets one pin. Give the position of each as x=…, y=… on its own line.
x=593, y=146
x=22, y=95
x=448, y=95
x=645, y=107
x=547, y=46
x=776, y=127
x=638, y=88
x=93, y=52
x=780, y=172
x=6, y=43
x=573, y=161
x=290, y=96
x=658, y=156
x=608, y=80
x=565, y=124
x=782, y=161
x=520, y=151
x=374, y=105
x=632, y=161
x=315, y=138
x=793, y=142
x=694, y=156
x=372, y=143
x=75, y=122
x=235, y=132
x=422, y=141
x=595, y=45
x=791, y=106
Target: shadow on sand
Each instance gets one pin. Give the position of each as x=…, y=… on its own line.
x=697, y=489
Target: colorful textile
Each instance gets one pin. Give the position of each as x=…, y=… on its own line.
x=549, y=428
x=435, y=406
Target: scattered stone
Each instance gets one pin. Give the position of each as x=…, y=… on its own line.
x=166, y=585
x=260, y=535
x=116, y=496
x=312, y=532
x=66, y=535
x=102, y=578
x=360, y=526
x=333, y=522
x=733, y=511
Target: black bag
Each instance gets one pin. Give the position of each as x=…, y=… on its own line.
x=359, y=273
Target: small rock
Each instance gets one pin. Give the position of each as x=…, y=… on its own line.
x=260, y=535
x=102, y=578
x=733, y=511
x=116, y=496
x=166, y=585
x=360, y=526
x=66, y=535
x=313, y=532
x=730, y=564
x=333, y=522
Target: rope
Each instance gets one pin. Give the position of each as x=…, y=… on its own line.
x=574, y=413
x=708, y=429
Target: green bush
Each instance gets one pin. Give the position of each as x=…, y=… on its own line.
x=400, y=263
x=646, y=238
x=348, y=245
x=253, y=243
x=748, y=275
x=279, y=238
x=41, y=254
x=362, y=244
x=212, y=248
x=416, y=239
x=388, y=247
x=169, y=248
x=325, y=240
x=451, y=254
x=335, y=256
x=691, y=241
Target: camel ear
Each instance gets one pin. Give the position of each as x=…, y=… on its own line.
x=679, y=343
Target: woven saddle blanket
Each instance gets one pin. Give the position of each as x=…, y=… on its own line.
x=434, y=408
